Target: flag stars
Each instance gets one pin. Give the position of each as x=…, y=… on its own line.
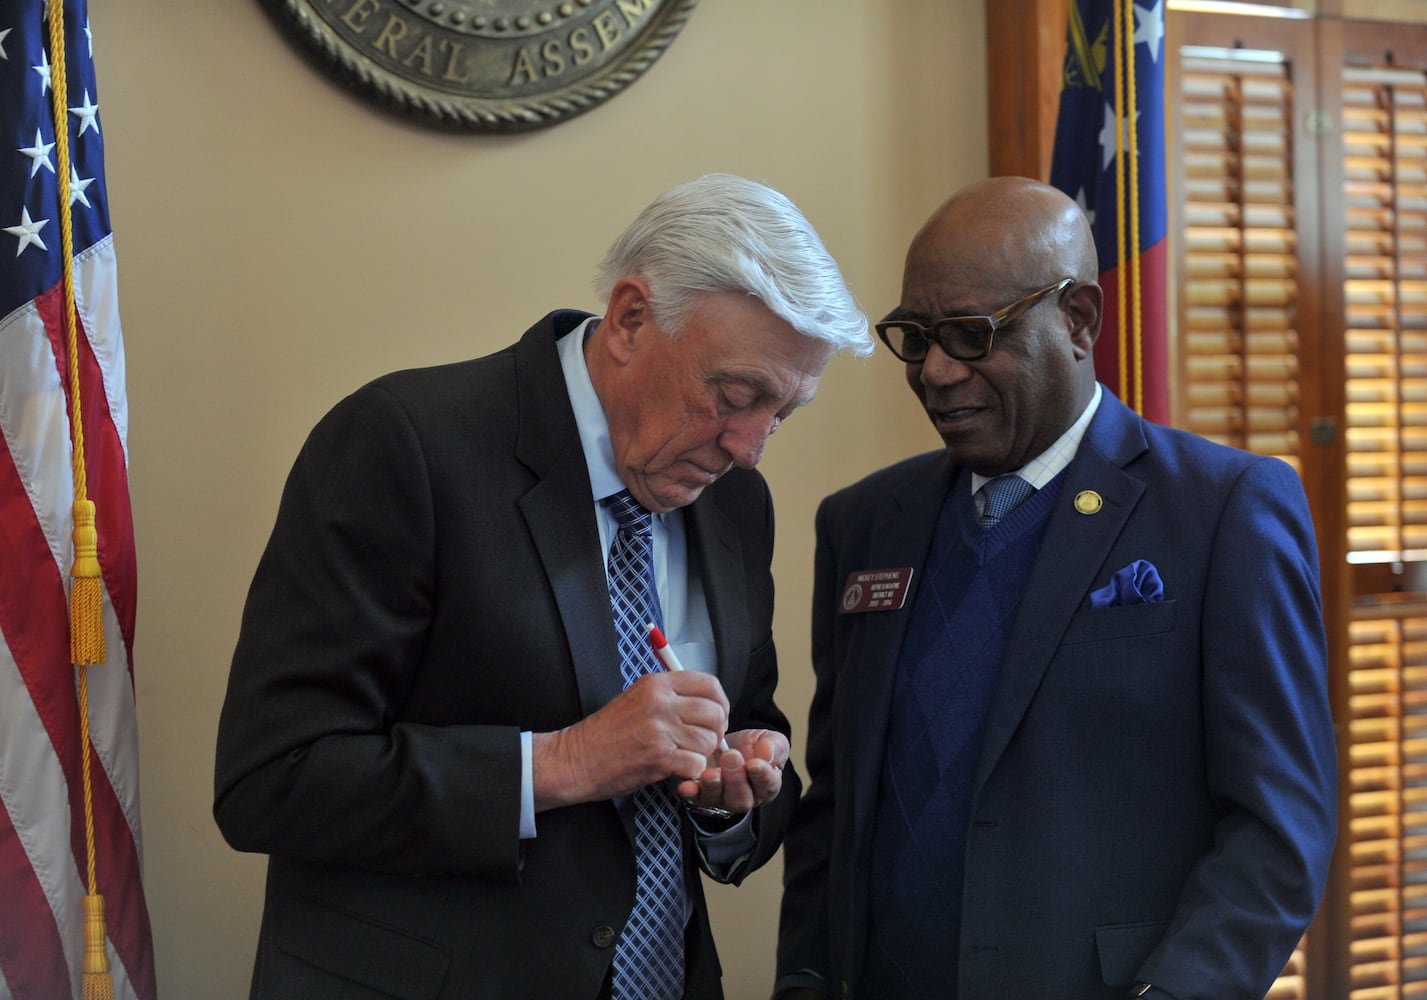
x=1149, y=27
x=39, y=154
x=28, y=231
x=87, y=113
x=44, y=70
x=1083, y=200
x=3, y=33
x=1107, y=136
x=77, y=186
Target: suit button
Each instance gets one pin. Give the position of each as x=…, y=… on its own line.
x=602, y=936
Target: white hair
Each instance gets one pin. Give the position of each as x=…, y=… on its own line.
x=724, y=233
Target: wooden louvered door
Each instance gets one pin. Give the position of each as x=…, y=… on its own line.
x=1245, y=259
x=1384, y=136
x=1378, y=99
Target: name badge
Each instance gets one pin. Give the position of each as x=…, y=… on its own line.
x=875, y=590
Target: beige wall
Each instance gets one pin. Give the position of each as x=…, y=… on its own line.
x=280, y=242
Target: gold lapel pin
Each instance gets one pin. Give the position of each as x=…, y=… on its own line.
x=1088, y=502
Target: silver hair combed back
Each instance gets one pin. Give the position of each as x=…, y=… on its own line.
x=724, y=233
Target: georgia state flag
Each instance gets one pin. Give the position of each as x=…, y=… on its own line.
x=1109, y=156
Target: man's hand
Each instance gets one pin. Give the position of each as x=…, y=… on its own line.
x=747, y=774
x=664, y=725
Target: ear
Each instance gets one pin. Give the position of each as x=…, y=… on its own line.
x=626, y=315
x=1084, y=302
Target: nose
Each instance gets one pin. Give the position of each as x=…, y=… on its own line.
x=744, y=437
x=940, y=368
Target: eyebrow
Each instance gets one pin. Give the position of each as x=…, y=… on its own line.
x=764, y=388
x=926, y=319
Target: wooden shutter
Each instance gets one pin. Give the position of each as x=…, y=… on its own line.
x=1238, y=335
x=1385, y=166
x=1386, y=827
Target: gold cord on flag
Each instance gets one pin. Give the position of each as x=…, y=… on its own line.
x=1121, y=340
x=86, y=600
x=1127, y=214
x=1132, y=111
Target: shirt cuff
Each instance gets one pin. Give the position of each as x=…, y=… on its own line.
x=527, y=786
x=723, y=849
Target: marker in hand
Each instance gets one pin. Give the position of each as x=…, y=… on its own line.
x=665, y=652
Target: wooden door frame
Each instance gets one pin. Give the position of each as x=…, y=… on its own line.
x=1023, y=85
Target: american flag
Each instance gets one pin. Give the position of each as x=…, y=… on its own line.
x=1120, y=182
x=43, y=857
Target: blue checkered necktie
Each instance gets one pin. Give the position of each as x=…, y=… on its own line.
x=1002, y=495
x=649, y=958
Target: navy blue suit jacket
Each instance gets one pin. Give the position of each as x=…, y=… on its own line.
x=433, y=586
x=1155, y=798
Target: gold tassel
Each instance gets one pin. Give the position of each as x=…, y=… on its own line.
x=86, y=597
x=97, y=983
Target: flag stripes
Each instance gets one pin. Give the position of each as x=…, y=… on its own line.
x=40, y=769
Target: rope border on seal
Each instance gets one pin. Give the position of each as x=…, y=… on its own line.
x=475, y=113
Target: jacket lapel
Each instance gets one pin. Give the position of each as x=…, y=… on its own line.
x=558, y=510
x=715, y=553
x=1074, y=548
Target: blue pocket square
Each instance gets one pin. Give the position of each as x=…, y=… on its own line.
x=1137, y=583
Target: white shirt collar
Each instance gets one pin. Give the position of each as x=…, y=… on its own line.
x=1048, y=464
x=589, y=414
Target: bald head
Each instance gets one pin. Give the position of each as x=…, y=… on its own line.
x=1013, y=230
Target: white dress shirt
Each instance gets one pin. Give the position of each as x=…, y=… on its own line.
x=681, y=595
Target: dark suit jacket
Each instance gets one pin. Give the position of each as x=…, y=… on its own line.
x=434, y=585
x=1155, y=797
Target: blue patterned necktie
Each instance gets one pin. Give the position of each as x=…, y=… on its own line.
x=1002, y=495
x=649, y=958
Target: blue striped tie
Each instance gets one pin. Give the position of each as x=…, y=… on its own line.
x=649, y=958
x=1002, y=495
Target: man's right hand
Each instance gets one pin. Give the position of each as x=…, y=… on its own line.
x=663, y=725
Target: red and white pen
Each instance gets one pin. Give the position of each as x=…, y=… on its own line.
x=665, y=652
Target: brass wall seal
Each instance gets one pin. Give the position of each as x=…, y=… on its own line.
x=485, y=65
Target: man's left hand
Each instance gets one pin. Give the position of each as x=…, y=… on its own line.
x=748, y=774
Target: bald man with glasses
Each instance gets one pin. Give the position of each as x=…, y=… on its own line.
x=1071, y=737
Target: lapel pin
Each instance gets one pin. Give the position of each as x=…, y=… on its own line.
x=1088, y=502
